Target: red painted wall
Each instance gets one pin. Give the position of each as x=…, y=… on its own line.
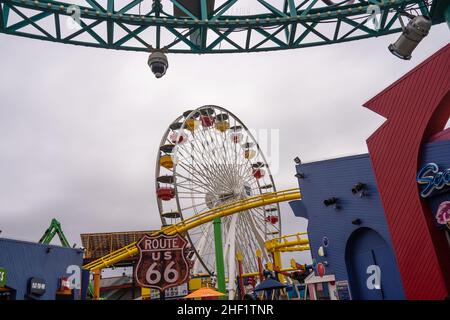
x=416, y=107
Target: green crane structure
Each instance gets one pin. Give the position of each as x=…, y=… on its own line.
x=52, y=230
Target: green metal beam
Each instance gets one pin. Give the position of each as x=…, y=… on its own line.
x=4, y=14
x=110, y=23
x=220, y=265
x=281, y=25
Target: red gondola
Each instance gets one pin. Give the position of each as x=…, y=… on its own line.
x=236, y=137
x=165, y=193
x=207, y=121
x=272, y=219
x=258, y=173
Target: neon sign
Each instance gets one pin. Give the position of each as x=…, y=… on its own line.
x=443, y=214
x=432, y=179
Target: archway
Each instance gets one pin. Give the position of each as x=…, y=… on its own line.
x=366, y=251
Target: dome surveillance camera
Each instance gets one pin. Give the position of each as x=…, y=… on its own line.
x=158, y=63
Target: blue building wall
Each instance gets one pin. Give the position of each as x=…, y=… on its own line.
x=336, y=178
x=25, y=260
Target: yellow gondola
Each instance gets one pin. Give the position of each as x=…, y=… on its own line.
x=249, y=154
x=222, y=126
x=192, y=124
x=166, y=161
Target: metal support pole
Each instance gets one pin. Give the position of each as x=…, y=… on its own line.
x=260, y=264
x=220, y=266
x=239, y=258
x=277, y=265
x=133, y=285
x=97, y=284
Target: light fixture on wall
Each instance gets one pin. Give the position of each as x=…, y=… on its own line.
x=333, y=201
x=359, y=189
x=322, y=251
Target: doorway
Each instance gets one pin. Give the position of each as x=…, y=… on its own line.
x=372, y=268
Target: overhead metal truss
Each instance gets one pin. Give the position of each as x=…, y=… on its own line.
x=140, y=25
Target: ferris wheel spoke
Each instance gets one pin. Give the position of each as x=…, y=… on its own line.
x=188, y=187
x=186, y=163
x=200, y=205
x=200, y=147
x=257, y=230
x=189, y=184
x=224, y=169
x=193, y=178
x=213, y=150
x=260, y=215
x=205, y=182
x=211, y=176
x=191, y=197
x=201, y=245
x=192, y=186
x=244, y=241
x=194, y=153
x=224, y=154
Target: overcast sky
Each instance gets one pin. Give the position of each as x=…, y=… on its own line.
x=80, y=127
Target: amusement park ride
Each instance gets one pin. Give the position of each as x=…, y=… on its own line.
x=213, y=183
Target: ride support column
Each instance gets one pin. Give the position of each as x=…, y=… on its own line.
x=240, y=258
x=278, y=265
x=97, y=284
x=260, y=264
x=220, y=266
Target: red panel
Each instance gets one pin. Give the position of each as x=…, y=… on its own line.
x=441, y=136
x=416, y=107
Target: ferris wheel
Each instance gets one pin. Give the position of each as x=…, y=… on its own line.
x=208, y=158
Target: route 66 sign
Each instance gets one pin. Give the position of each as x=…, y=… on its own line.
x=162, y=263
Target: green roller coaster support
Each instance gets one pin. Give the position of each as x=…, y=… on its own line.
x=195, y=26
x=220, y=265
x=53, y=229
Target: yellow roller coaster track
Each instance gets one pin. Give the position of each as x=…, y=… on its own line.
x=197, y=220
x=288, y=243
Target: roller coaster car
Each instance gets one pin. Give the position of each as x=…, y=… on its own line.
x=194, y=7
